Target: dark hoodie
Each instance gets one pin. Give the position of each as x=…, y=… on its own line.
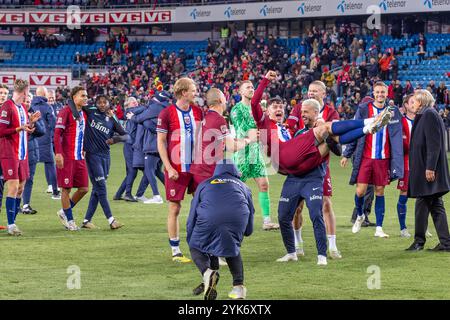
x=221, y=213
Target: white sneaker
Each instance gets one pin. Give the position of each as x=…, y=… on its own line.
x=154, y=200
x=222, y=262
x=335, y=254
x=142, y=199
x=405, y=233
x=299, y=249
x=72, y=226
x=428, y=234
x=357, y=225
x=381, y=120
x=14, y=231
x=321, y=260
x=380, y=233
x=238, y=292
x=62, y=218
x=50, y=189
x=288, y=257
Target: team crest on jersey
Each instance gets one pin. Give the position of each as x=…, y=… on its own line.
x=401, y=184
x=187, y=119
x=66, y=181
x=4, y=114
x=10, y=172
x=159, y=121
x=107, y=119
x=223, y=129
x=59, y=120
x=172, y=192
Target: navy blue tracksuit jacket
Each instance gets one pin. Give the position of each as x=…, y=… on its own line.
x=221, y=214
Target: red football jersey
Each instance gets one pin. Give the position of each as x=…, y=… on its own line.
x=69, y=134
x=407, y=127
x=181, y=128
x=13, y=145
x=210, y=148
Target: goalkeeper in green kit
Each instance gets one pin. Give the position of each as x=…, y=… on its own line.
x=249, y=160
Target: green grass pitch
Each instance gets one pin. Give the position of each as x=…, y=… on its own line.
x=134, y=262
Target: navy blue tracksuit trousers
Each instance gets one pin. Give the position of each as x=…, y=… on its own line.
x=127, y=183
x=98, y=168
x=295, y=189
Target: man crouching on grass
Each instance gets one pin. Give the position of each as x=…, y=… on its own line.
x=221, y=215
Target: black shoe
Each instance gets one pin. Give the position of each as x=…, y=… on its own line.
x=199, y=289
x=335, y=147
x=366, y=223
x=28, y=210
x=440, y=247
x=415, y=247
x=116, y=197
x=129, y=198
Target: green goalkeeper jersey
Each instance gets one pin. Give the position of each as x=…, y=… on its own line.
x=249, y=160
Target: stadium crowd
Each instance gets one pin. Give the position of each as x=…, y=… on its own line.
x=101, y=3
x=343, y=61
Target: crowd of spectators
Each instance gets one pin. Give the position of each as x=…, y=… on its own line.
x=109, y=3
x=40, y=39
x=342, y=60
x=37, y=39
x=116, y=48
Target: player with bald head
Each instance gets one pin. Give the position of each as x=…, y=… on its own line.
x=41, y=103
x=215, y=138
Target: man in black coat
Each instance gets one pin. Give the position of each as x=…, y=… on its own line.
x=429, y=176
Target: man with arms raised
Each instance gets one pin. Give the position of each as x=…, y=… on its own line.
x=250, y=161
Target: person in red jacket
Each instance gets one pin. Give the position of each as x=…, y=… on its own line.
x=14, y=128
x=384, y=63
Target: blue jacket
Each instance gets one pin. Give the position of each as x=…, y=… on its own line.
x=57, y=106
x=147, y=122
x=33, y=145
x=49, y=120
x=131, y=126
x=136, y=133
x=221, y=213
x=356, y=148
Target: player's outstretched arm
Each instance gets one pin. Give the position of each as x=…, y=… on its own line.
x=257, y=111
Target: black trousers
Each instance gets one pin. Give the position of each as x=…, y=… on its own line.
x=203, y=261
x=435, y=206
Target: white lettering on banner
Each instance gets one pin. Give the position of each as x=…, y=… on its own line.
x=129, y=17
x=157, y=16
x=7, y=79
x=43, y=17
x=91, y=18
x=9, y=18
x=48, y=80
x=212, y=13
